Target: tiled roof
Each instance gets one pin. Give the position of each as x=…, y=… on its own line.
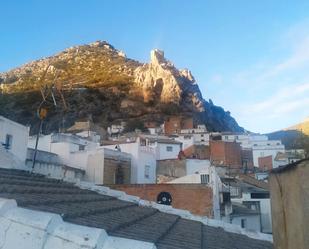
x=119, y=218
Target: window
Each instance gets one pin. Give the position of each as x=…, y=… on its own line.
x=226, y=137
x=243, y=223
x=260, y=196
x=147, y=171
x=8, y=141
x=202, y=135
x=169, y=148
x=204, y=179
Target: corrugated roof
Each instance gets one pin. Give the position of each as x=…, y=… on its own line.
x=117, y=217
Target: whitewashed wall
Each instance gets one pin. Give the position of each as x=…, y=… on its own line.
x=265, y=211
x=196, y=165
x=253, y=222
x=19, y=133
x=141, y=156
x=163, y=153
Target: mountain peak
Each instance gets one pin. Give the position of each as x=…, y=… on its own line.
x=98, y=81
x=157, y=57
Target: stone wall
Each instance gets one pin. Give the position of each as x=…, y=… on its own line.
x=195, y=198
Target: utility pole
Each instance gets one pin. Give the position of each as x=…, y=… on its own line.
x=42, y=113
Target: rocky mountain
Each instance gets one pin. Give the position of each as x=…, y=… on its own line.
x=97, y=82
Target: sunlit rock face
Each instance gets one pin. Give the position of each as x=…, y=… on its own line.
x=160, y=79
x=98, y=82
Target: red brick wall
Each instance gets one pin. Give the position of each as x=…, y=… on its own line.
x=196, y=198
x=225, y=153
x=172, y=125
x=187, y=123
x=175, y=124
x=247, y=155
x=266, y=163
x=197, y=151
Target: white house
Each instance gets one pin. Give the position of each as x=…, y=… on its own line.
x=165, y=148
x=241, y=138
x=200, y=129
x=260, y=144
x=198, y=136
x=255, y=196
x=263, y=202
x=13, y=143
x=207, y=175
x=263, y=148
x=83, y=154
x=245, y=217
x=62, y=144
x=143, y=160
x=116, y=128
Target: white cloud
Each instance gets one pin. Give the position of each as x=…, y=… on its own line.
x=275, y=91
x=297, y=60
x=282, y=98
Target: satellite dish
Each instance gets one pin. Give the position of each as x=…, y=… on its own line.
x=164, y=198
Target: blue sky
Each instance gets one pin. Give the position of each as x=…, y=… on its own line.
x=251, y=57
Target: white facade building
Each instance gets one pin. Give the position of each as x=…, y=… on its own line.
x=196, y=165
x=143, y=160
x=189, y=139
x=116, y=128
x=265, y=209
x=197, y=136
x=79, y=153
x=263, y=148
x=260, y=144
x=164, y=148
x=245, y=217
x=207, y=175
x=13, y=143
x=63, y=145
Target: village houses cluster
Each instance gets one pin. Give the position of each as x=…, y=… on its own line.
x=221, y=175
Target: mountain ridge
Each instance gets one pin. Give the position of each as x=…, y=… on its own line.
x=303, y=126
x=100, y=83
